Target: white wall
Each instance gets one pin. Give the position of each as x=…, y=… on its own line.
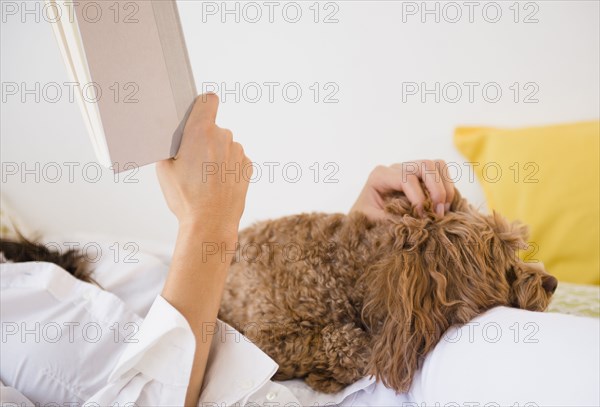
x=369, y=53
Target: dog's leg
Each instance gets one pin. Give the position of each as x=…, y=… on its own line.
x=341, y=359
x=289, y=343
x=329, y=358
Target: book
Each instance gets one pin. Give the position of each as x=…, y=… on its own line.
x=132, y=74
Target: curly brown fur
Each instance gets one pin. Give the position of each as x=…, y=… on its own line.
x=332, y=298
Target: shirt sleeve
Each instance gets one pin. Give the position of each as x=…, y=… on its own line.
x=72, y=342
x=155, y=369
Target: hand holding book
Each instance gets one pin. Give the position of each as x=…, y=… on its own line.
x=207, y=181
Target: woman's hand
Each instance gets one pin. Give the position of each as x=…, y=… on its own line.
x=405, y=177
x=206, y=183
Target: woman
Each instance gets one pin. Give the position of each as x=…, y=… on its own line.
x=51, y=349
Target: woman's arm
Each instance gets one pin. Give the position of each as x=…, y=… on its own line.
x=205, y=187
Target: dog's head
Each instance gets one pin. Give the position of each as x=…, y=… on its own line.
x=433, y=272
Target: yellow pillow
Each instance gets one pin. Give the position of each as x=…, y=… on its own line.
x=547, y=177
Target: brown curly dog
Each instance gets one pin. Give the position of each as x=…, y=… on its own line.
x=332, y=297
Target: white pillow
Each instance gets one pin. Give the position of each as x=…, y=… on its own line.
x=512, y=357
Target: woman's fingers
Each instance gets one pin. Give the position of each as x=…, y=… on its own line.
x=448, y=183
x=405, y=177
x=414, y=192
x=228, y=135
x=409, y=184
x=205, y=109
x=199, y=124
x=206, y=183
x=434, y=174
x=432, y=180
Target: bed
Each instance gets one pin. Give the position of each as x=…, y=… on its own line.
x=456, y=372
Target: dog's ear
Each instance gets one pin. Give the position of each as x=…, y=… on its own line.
x=403, y=304
x=514, y=235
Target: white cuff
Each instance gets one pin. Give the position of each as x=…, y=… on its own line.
x=236, y=368
x=164, y=347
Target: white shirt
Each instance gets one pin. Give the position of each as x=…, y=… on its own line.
x=69, y=343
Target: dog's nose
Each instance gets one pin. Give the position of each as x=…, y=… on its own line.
x=549, y=283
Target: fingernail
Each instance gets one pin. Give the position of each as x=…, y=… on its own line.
x=439, y=209
x=447, y=207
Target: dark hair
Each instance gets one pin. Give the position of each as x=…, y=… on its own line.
x=22, y=250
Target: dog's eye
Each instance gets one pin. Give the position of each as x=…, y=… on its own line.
x=511, y=276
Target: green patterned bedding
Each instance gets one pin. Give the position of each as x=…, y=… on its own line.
x=576, y=299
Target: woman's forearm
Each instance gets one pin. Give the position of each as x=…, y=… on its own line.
x=194, y=286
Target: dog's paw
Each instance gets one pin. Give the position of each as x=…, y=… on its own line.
x=323, y=384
